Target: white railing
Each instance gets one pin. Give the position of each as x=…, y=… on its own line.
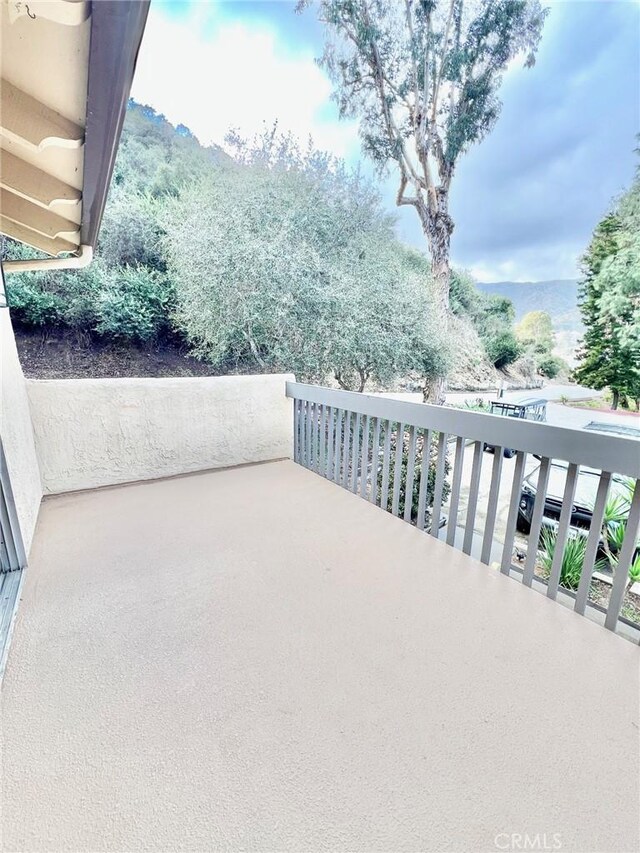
x=374, y=446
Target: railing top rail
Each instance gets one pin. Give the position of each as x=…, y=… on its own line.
x=607, y=453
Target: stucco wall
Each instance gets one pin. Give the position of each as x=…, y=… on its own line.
x=97, y=432
x=17, y=433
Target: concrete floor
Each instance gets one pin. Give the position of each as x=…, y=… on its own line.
x=256, y=659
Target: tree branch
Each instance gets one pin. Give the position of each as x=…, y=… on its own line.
x=400, y=196
x=438, y=79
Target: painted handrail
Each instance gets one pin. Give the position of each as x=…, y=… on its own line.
x=374, y=445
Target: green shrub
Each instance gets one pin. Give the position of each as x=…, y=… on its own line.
x=550, y=366
x=572, y=558
x=431, y=478
x=31, y=304
x=134, y=304
x=502, y=349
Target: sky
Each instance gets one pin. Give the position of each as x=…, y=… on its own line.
x=525, y=200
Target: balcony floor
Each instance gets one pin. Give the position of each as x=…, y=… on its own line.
x=255, y=659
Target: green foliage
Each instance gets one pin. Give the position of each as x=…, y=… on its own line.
x=288, y=262
x=280, y=258
x=614, y=529
x=551, y=365
x=610, y=302
x=572, y=558
x=491, y=315
x=134, y=305
x=503, y=349
x=31, y=304
x=128, y=302
x=535, y=331
x=386, y=56
x=423, y=80
x=431, y=476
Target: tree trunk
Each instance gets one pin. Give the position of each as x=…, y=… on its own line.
x=438, y=231
x=616, y=399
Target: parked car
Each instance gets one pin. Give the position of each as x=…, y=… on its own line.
x=583, y=502
x=624, y=430
x=529, y=408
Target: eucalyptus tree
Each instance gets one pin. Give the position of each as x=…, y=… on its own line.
x=423, y=77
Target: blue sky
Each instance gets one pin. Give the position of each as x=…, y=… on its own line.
x=525, y=200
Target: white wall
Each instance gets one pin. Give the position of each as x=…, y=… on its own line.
x=17, y=433
x=97, y=432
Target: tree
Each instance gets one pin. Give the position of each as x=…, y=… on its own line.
x=535, y=330
x=288, y=261
x=423, y=78
x=551, y=365
x=503, y=349
x=609, y=355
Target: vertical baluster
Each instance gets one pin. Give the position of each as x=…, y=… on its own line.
x=337, y=448
x=328, y=472
x=346, y=446
x=411, y=464
x=563, y=529
x=301, y=433
x=492, y=505
x=458, y=462
x=536, y=521
x=364, y=462
x=296, y=430
x=323, y=440
x=439, y=485
x=514, y=503
x=625, y=558
x=397, y=469
x=375, y=461
x=386, y=456
x=593, y=540
x=307, y=424
x=474, y=489
x=424, y=478
x=355, y=453
x=314, y=436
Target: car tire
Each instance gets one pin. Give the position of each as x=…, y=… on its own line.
x=522, y=525
x=509, y=453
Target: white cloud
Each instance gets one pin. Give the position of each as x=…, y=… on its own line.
x=213, y=78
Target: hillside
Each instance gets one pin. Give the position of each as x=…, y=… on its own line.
x=558, y=298
x=273, y=259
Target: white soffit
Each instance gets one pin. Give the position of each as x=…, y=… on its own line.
x=44, y=58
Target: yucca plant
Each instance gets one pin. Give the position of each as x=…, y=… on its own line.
x=614, y=528
x=572, y=558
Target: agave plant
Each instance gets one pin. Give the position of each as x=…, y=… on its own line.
x=614, y=528
x=572, y=558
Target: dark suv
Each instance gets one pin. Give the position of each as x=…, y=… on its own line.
x=583, y=502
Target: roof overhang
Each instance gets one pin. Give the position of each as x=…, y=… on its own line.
x=66, y=70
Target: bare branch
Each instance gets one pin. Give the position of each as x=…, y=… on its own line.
x=400, y=196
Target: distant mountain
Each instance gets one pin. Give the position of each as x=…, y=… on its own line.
x=558, y=298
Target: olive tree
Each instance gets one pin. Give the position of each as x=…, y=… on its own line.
x=291, y=263
x=423, y=77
